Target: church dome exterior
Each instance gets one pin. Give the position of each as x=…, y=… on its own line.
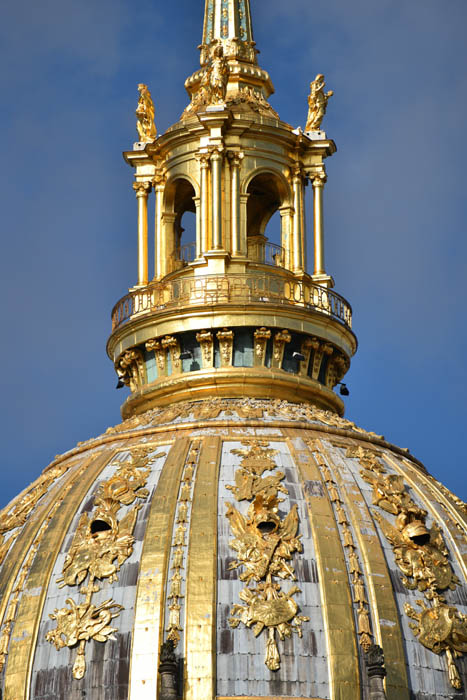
x=235, y=536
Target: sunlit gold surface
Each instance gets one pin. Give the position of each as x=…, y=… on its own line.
x=200, y=641
x=150, y=596
x=381, y=597
x=336, y=598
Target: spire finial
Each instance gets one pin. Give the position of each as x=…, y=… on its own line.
x=229, y=22
x=228, y=39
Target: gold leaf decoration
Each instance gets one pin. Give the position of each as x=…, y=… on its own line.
x=264, y=544
x=422, y=557
x=102, y=543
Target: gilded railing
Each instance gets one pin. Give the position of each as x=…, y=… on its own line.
x=230, y=289
x=265, y=253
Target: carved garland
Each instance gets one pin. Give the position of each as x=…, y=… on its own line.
x=176, y=581
x=102, y=543
x=357, y=583
x=264, y=544
x=422, y=557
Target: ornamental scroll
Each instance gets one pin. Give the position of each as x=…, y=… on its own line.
x=102, y=543
x=264, y=544
x=422, y=557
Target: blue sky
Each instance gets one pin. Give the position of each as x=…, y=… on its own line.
x=395, y=202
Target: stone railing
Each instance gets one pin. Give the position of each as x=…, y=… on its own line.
x=213, y=290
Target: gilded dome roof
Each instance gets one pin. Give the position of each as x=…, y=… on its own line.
x=235, y=536
x=274, y=544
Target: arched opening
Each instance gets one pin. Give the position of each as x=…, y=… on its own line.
x=187, y=247
x=184, y=229
x=179, y=226
x=265, y=236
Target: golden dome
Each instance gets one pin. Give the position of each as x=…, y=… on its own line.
x=235, y=536
x=274, y=543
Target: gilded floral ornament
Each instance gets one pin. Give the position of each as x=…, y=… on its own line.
x=264, y=544
x=102, y=543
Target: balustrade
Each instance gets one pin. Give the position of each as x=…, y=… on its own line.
x=230, y=289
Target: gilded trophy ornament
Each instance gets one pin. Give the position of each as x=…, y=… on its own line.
x=317, y=103
x=264, y=544
x=421, y=554
x=145, y=114
x=102, y=543
x=441, y=628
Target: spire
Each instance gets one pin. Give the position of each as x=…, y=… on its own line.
x=227, y=20
x=228, y=50
x=228, y=23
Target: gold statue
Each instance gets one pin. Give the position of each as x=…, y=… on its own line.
x=216, y=77
x=145, y=114
x=317, y=103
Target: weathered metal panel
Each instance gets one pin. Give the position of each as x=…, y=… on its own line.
x=107, y=664
x=240, y=655
x=427, y=671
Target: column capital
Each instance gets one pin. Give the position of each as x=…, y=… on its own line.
x=319, y=180
x=216, y=154
x=297, y=174
x=160, y=178
x=235, y=157
x=143, y=188
x=203, y=157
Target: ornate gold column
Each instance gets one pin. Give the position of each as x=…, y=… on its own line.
x=197, y=201
x=142, y=190
x=159, y=186
x=318, y=186
x=235, y=160
x=286, y=213
x=204, y=234
x=167, y=243
x=303, y=225
x=216, y=191
x=243, y=232
x=297, y=222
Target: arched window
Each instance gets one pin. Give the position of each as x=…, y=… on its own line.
x=185, y=221
x=265, y=239
x=180, y=223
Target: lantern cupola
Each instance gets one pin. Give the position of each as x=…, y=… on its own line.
x=240, y=306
